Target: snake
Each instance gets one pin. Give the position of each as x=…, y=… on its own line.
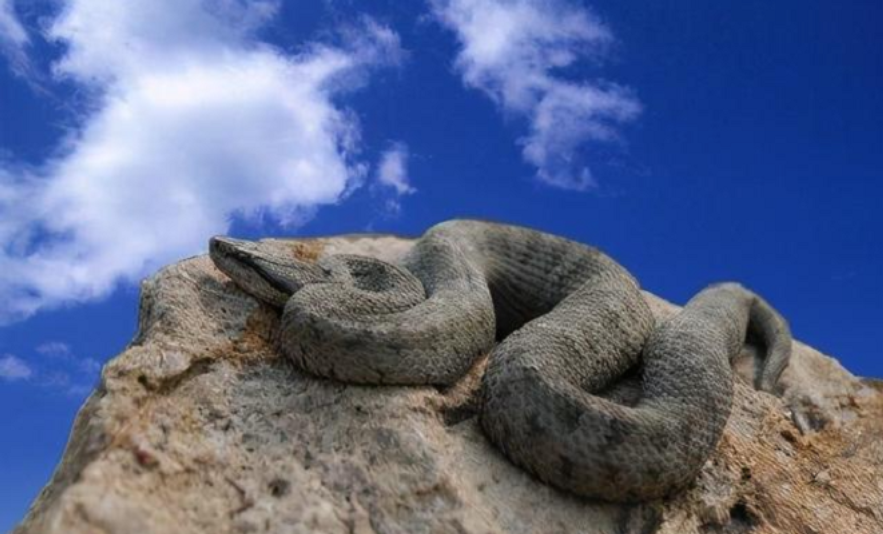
x=582, y=387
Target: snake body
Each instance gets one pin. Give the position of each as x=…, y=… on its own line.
x=572, y=322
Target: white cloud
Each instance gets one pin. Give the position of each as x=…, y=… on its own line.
x=13, y=37
x=89, y=366
x=63, y=370
x=194, y=121
x=11, y=30
x=55, y=349
x=511, y=50
x=392, y=176
x=57, y=380
x=12, y=368
x=393, y=170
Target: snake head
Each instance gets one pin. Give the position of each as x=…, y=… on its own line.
x=262, y=272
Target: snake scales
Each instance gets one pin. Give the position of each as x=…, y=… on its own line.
x=572, y=322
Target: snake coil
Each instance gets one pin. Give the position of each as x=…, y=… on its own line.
x=572, y=323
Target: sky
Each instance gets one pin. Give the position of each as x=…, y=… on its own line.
x=693, y=141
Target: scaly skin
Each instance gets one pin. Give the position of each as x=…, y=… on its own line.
x=572, y=323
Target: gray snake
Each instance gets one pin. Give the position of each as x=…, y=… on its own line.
x=572, y=323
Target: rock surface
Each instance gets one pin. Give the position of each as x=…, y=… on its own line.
x=200, y=427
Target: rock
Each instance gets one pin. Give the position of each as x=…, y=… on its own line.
x=200, y=427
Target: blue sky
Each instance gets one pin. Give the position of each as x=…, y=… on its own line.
x=693, y=141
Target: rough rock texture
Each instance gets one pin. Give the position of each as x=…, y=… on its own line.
x=200, y=427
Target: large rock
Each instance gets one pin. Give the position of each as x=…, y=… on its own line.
x=200, y=427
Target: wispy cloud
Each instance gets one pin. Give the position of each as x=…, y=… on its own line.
x=13, y=37
x=13, y=368
x=89, y=366
x=513, y=51
x=192, y=121
x=55, y=349
x=62, y=370
x=393, y=169
x=392, y=175
x=59, y=370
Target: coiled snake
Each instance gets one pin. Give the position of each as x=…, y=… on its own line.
x=572, y=322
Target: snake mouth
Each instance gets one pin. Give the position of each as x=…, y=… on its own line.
x=243, y=262
x=227, y=247
x=233, y=255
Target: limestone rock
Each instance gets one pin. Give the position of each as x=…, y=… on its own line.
x=200, y=427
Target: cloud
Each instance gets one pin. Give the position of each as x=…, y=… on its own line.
x=12, y=368
x=191, y=122
x=11, y=30
x=67, y=374
x=89, y=366
x=13, y=37
x=514, y=50
x=63, y=370
x=392, y=176
x=393, y=170
x=55, y=349
x=62, y=356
